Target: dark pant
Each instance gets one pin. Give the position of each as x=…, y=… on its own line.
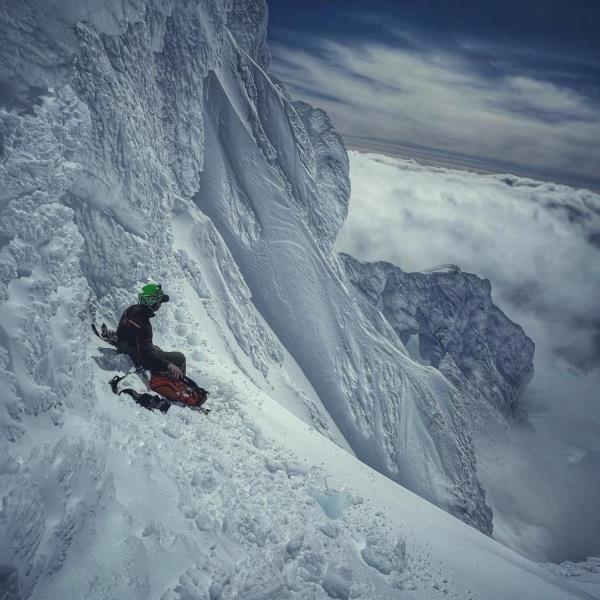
x=176, y=358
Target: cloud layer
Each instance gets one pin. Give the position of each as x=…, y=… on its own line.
x=464, y=100
x=539, y=244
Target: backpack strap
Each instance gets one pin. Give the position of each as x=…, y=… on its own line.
x=148, y=401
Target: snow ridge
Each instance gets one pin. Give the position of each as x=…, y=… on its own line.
x=397, y=416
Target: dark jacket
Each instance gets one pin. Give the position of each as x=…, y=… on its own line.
x=135, y=338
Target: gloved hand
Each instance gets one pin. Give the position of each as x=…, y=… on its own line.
x=174, y=371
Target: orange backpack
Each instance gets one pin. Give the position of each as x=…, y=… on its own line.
x=176, y=391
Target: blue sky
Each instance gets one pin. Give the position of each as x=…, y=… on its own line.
x=501, y=86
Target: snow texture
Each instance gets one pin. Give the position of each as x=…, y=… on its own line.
x=404, y=420
x=143, y=139
x=457, y=326
x=585, y=575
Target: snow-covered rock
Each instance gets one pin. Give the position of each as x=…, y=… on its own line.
x=144, y=139
x=247, y=21
x=455, y=324
x=329, y=206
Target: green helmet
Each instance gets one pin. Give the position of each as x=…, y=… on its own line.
x=152, y=294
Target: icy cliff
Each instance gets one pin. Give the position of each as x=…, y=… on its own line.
x=448, y=320
x=278, y=215
x=144, y=139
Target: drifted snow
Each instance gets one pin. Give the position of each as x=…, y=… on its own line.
x=585, y=575
x=140, y=139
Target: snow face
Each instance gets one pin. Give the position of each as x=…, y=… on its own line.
x=404, y=420
x=144, y=140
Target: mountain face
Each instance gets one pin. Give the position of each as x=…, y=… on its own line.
x=145, y=139
x=447, y=318
x=278, y=216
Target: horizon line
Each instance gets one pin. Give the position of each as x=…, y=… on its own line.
x=436, y=157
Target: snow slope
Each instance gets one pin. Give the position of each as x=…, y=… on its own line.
x=248, y=503
x=144, y=139
x=404, y=420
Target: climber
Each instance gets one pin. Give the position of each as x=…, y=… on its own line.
x=134, y=333
x=134, y=337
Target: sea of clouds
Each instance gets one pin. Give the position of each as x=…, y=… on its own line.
x=539, y=245
x=447, y=98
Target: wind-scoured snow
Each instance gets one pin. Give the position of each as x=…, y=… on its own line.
x=145, y=140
